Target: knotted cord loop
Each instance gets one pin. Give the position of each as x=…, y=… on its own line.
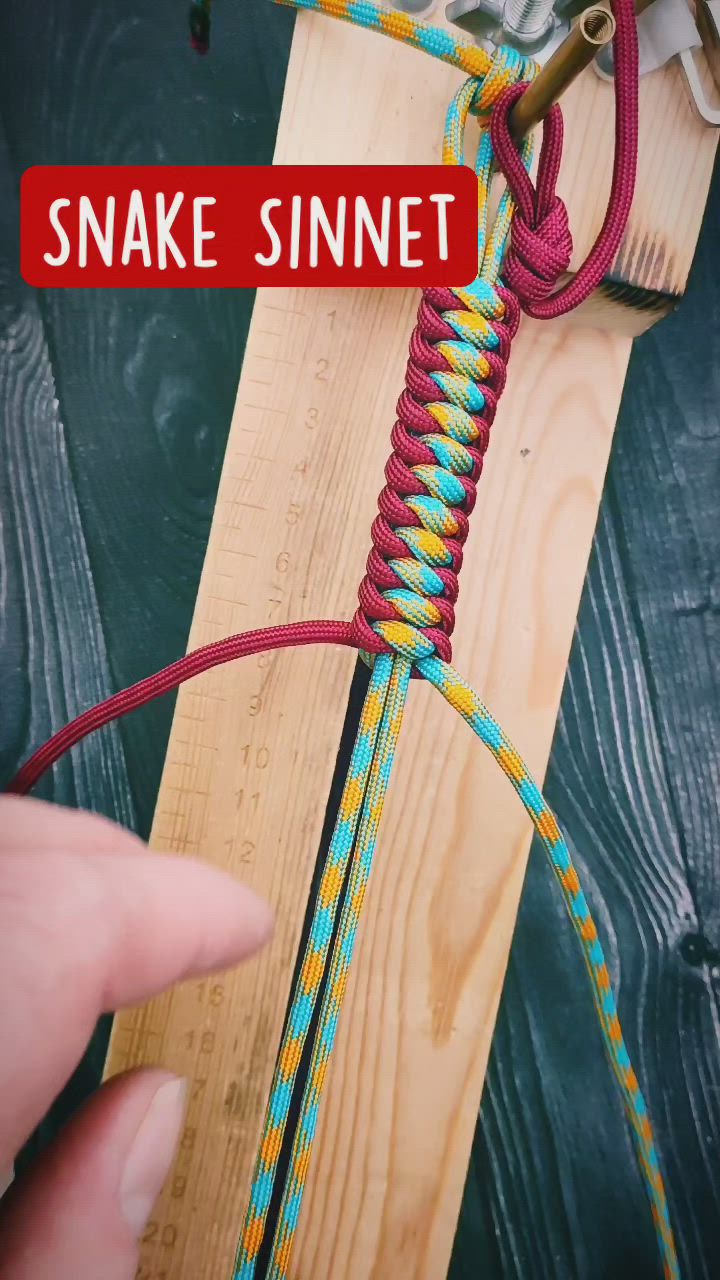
x=540, y=239
x=542, y=242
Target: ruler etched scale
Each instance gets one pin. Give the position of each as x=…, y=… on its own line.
x=253, y=744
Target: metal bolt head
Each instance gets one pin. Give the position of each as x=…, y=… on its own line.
x=530, y=26
x=482, y=19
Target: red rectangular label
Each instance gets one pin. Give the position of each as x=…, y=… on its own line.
x=138, y=227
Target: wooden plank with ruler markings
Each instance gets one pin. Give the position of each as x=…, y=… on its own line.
x=253, y=746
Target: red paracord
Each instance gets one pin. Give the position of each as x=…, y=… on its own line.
x=540, y=240
x=414, y=421
x=540, y=248
x=393, y=513
x=193, y=664
x=540, y=243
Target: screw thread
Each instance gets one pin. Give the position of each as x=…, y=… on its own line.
x=526, y=17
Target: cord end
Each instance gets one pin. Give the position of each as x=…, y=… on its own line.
x=200, y=25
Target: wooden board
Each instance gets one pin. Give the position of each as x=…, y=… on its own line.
x=639, y=725
x=553, y=1188
x=292, y=709
x=675, y=161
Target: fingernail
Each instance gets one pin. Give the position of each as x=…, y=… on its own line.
x=152, y=1152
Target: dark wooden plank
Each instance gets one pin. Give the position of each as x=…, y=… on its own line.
x=553, y=1190
x=116, y=404
x=53, y=649
x=146, y=380
x=53, y=655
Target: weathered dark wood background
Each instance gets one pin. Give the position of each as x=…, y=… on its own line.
x=114, y=412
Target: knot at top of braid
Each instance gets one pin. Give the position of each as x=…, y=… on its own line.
x=455, y=374
x=508, y=67
x=540, y=240
x=539, y=253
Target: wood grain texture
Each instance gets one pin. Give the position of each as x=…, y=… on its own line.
x=153, y=373
x=675, y=163
x=116, y=404
x=552, y=1190
x=422, y=999
x=253, y=746
x=53, y=646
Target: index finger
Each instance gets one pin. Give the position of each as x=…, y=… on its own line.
x=83, y=932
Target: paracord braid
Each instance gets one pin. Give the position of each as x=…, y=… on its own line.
x=474, y=342
x=455, y=375
x=406, y=602
x=541, y=246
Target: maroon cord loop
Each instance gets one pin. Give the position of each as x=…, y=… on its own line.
x=540, y=241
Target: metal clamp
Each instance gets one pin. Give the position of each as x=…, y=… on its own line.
x=707, y=18
x=666, y=30
x=531, y=26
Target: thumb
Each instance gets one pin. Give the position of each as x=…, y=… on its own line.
x=79, y=1213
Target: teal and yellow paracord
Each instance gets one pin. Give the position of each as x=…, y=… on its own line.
x=436, y=41
x=421, y=576
x=353, y=841
x=464, y=700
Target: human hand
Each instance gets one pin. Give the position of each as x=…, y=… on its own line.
x=91, y=921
